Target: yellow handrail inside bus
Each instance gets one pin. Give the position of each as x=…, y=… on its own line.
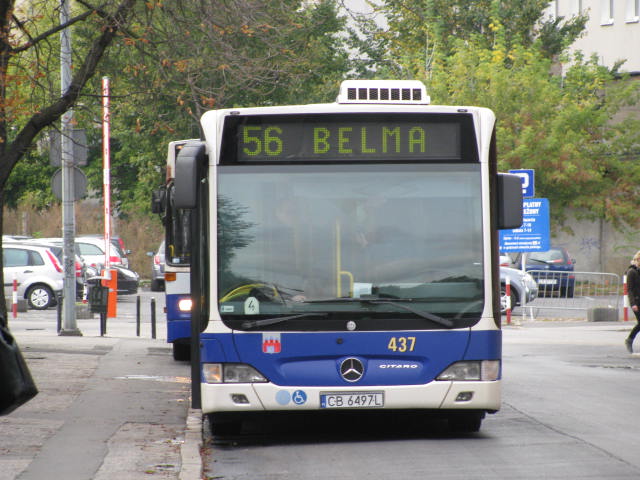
x=339, y=271
x=245, y=290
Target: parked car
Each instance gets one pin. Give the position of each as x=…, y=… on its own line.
x=128, y=280
x=522, y=284
x=157, y=269
x=91, y=248
x=505, y=260
x=56, y=246
x=15, y=238
x=552, y=270
x=38, y=272
x=118, y=243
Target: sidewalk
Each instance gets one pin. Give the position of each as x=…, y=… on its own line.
x=113, y=407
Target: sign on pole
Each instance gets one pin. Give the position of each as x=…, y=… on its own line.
x=533, y=235
x=527, y=176
x=79, y=141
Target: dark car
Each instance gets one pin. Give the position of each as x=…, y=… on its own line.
x=128, y=280
x=552, y=270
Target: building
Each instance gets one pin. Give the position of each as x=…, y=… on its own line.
x=612, y=31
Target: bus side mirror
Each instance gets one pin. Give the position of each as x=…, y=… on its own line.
x=509, y=201
x=158, y=200
x=186, y=179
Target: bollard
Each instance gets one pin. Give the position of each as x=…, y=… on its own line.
x=14, y=307
x=153, y=318
x=508, y=294
x=138, y=316
x=59, y=326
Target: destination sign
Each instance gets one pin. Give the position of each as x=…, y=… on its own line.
x=338, y=137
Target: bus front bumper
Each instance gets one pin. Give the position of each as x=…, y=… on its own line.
x=437, y=395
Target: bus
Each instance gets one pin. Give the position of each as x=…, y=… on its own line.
x=345, y=257
x=177, y=245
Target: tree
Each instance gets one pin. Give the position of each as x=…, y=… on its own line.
x=29, y=99
x=560, y=126
x=502, y=55
x=170, y=62
x=183, y=58
x=419, y=30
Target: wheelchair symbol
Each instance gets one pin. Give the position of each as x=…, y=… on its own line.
x=299, y=397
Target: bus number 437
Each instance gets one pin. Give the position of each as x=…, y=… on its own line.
x=401, y=344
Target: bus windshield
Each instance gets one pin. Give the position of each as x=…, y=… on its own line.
x=178, y=231
x=379, y=243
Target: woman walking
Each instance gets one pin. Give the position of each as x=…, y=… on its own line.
x=633, y=289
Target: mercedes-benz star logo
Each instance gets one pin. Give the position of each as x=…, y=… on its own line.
x=352, y=369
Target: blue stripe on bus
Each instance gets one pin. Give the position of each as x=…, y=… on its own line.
x=314, y=358
x=178, y=329
x=172, y=307
x=178, y=323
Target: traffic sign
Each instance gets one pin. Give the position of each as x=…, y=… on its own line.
x=533, y=235
x=527, y=176
x=79, y=184
x=80, y=148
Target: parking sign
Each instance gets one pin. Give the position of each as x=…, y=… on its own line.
x=534, y=234
x=527, y=176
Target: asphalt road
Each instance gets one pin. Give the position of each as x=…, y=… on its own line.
x=569, y=412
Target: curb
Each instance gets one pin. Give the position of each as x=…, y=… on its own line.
x=190, y=450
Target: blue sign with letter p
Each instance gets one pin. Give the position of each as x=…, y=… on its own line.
x=527, y=176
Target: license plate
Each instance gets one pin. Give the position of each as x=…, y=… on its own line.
x=547, y=281
x=352, y=400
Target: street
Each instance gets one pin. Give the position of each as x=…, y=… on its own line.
x=569, y=412
x=570, y=391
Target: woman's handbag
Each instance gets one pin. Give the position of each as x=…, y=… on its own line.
x=16, y=384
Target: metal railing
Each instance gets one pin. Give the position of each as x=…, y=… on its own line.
x=576, y=291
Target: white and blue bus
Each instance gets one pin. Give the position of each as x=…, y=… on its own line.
x=177, y=255
x=346, y=257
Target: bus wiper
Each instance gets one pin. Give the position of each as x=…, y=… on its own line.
x=421, y=313
x=445, y=322
x=271, y=321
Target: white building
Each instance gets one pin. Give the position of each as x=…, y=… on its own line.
x=612, y=31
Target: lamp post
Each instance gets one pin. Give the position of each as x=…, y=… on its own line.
x=69, y=326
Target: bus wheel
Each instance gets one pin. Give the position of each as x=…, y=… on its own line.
x=465, y=422
x=181, y=351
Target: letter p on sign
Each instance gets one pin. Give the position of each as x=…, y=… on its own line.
x=528, y=181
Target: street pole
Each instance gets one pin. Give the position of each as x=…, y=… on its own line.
x=69, y=326
x=106, y=170
x=110, y=275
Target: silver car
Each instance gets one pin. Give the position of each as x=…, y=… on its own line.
x=523, y=286
x=38, y=272
x=157, y=269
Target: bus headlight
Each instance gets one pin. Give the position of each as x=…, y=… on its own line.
x=231, y=373
x=184, y=304
x=485, y=370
